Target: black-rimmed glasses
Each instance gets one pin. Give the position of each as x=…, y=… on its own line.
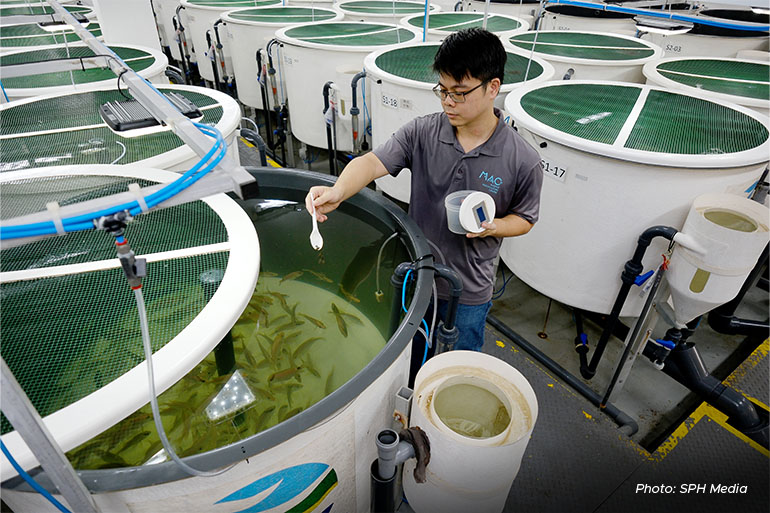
x=456, y=97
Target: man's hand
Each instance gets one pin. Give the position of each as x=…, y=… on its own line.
x=326, y=199
x=490, y=230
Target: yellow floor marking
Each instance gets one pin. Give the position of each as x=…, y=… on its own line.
x=588, y=415
x=499, y=343
x=712, y=414
x=247, y=143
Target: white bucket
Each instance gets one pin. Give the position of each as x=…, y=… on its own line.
x=469, y=473
x=452, y=204
x=733, y=230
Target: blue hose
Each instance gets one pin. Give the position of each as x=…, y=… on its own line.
x=4, y=93
x=425, y=324
x=29, y=479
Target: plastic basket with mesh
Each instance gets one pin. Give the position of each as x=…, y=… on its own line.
x=32, y=35
x=584, y=45
x=85, y=69
x=738, y=78
x=279, y=15
x=415, y=63
x=68, y=129
x=346, y=34
x=71, y=334
x=446, y=22
x=642, y=123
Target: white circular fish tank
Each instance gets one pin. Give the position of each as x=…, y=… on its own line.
x=68, y=129
x=76, y=69
x=80, y=294
x=741, y=81
x=573, y=17
x=313, y=54
x=165, y=10
x=33, y=36
x=349, y=360
x=698, y=39
x=589, y=55
x=401, y=82
x=619, y=158
x=23, y=14
x=523, y=9
x=251, y=29
x=387, y=11
x=442, y=24
x=201, y=16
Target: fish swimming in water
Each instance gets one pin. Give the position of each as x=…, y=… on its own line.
x=341, y=324
x=291, y=276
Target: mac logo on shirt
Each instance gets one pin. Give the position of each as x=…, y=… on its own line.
x=491, y=182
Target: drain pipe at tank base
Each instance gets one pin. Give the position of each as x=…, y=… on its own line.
x=393, y=451
x=255, y=139
x=684, y=364
x=212, y=56
x=271, y=72
x=630, y=276
x=626, y=424
x=332, y=156
x=261, y=78
x=354, y=112
x=220, y=54
x=174, y=73
x=723, y=319
x=447, y=333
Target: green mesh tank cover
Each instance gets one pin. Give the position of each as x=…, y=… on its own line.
x=30, y=34
x=233, y=4
x=39, y=9
x=283, y=15
x=667, y=123
x=382, y=7
x=135, y=58
x=454, y=21
x=579, y=45
x=66, y=336
x=738, y=78
x=415, y=63
x=69, y=130
x=351, y=34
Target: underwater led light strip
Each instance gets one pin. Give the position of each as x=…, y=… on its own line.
x=669, y=16
x=85, y=221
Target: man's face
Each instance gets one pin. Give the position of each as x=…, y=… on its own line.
x=478, y=100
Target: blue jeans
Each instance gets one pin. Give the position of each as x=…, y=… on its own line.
x=470, y=321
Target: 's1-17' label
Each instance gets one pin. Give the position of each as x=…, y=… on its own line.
x=553, y=170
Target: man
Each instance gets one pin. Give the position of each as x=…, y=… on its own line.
x=467, y=146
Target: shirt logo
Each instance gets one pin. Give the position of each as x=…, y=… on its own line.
x=490, y=182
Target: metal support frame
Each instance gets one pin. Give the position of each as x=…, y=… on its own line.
x=27, y=421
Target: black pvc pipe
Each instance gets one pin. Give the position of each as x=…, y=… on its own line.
x=183, y=39
x=181, y=49
x=332, y=156
x=723, y=320
x=265, y=103
x=255, y=139
x=625, y=423
x=632, y=269
x=175, y=74
x=383, y=492
x=220, y=51
x=213, y=60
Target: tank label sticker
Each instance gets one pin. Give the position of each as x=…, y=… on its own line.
x=554, y=170
x=308, y=482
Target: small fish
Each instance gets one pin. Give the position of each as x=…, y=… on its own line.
x=283, y=374
x=291, y=335
x=281, y=299
x=265, y=392
x=290, y=324
x=350, y=297
x=281, y=411
x=250, y=360
x=261, y=299
x=267, y=274
x=320, y=276
x=352, y=318
x=307, y=363
x=289, y=414
x=315, y=321
x=291, y=276
x=280, y=318
x=341, y=324
x=328, y=386
x=276, y=344
x=135, y=440
x=304, y=345
x=264, y=416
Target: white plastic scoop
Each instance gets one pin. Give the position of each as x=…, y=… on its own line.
x=315, y=236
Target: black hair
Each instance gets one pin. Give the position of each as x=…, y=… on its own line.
x=471, y=52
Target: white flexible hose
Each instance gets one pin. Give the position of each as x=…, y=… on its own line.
x=154, y=399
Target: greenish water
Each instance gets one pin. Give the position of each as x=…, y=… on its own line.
x=471, y=411
x=731, y=220
x=312, y=323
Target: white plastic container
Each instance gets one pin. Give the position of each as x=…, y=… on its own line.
x=442, y=24
x=252, y=28
x=201, y=16
x=742, y=81
x=165, y=10
x=469, y=473
x=313, y=54
x=712, y=41
x=588, y=55
x=382, y=11
x=733, y=231
x=148, y=62
x=619, y=158
x=399, y=94
x=452, y=204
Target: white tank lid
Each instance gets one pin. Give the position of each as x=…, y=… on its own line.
x=641, y=123
x=280, y=15
x=346, y=35
x=586, y=47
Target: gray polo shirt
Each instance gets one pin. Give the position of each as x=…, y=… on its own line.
x=506, y=167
